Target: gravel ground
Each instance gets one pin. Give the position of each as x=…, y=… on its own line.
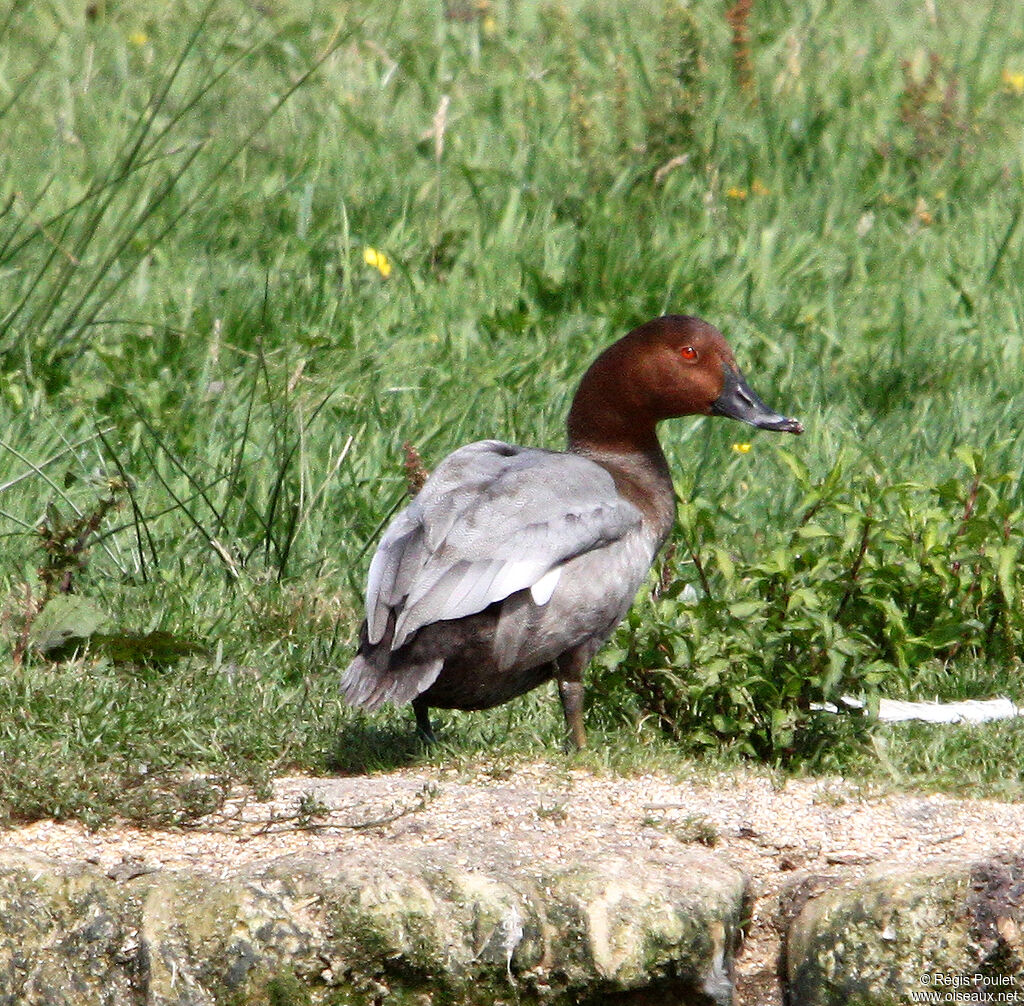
x=555, y=815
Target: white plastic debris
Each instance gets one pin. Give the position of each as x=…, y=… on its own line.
x=968, y=711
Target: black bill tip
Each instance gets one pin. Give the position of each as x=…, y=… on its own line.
x=781, y=425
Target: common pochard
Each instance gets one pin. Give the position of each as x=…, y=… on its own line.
x=513, y=565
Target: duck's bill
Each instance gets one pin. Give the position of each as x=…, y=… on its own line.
x=738, y=401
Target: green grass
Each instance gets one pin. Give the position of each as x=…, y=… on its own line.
x=188, y=324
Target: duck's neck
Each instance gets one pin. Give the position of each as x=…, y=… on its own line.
x=612, y=422
x=641, y=475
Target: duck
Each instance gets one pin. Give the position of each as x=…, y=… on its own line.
x=513, y=565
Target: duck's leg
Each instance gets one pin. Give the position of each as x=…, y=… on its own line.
x=423, y=728
x=570, y=688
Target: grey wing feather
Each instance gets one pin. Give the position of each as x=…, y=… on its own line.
x=492, y=520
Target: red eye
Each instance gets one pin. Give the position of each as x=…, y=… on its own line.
x=688, y=353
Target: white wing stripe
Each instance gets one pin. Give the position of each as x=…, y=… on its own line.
x=517, y=575
x=542, y=590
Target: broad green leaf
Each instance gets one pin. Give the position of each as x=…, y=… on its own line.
x=1006, y=567
x=66, y=617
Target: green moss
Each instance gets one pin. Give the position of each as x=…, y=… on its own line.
x=287, y=990
x=284, y=989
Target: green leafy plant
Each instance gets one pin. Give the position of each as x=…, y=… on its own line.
x=869, y=584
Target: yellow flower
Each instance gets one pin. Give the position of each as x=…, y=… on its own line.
x=139, y=38
x=1013, y=83
x=741, y=448
x=758, y=188
x=736, y=193
x=378, y=260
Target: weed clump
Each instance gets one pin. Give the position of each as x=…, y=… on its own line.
x=675, y=102
x=66, y=543
x=930, y=110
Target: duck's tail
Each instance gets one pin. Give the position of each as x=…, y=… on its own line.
x=375, y=676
